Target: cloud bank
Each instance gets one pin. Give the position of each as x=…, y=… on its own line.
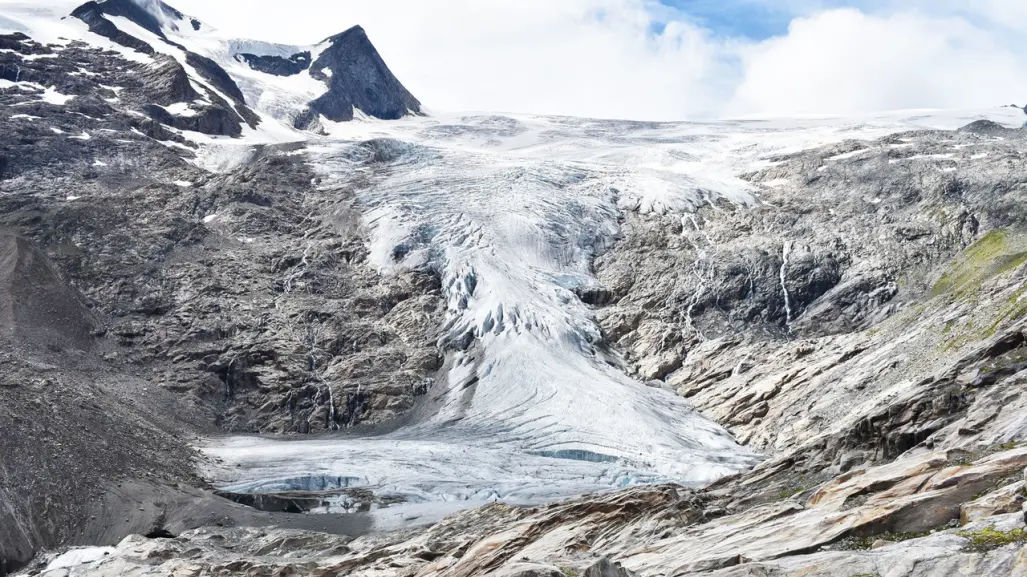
x=644, y=60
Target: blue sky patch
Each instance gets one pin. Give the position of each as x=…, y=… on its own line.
x=761, y=19
x=756, y=20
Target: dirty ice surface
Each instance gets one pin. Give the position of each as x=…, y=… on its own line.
x=510, y=210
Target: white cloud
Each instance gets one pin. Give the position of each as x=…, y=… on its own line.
x=846, y=61
x=574, y=57
x=601, y=58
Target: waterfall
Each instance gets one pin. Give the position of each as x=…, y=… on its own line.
x=784, y=289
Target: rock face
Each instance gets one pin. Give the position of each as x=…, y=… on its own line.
x=150, y=14
x=357, y=78
x=278, y=65
x=36, y=306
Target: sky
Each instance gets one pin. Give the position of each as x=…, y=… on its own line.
x=670, y=59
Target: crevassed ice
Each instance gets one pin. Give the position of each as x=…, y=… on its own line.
x=512, y=239
x=532, y=406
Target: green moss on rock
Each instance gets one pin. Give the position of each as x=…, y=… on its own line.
x=993, y=254
x=990, y=538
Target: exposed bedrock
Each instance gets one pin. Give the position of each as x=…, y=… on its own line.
x=278, y=65
x=357, y=78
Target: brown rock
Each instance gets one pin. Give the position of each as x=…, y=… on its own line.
x=1008, y=499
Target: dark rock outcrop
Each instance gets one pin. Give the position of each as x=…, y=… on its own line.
x=93, y=15
x=213, y=73
x=14, y=41
x=277, y=65
x=988, y=128
x=214, y=120
x=168, y=82
x=149, y=14
x=359, y=79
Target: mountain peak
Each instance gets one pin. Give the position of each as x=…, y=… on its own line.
x=353, y=32
x=358, y=79
x=153, y=15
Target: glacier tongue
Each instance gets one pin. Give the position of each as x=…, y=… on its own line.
x=532, y=405
x=513, y=238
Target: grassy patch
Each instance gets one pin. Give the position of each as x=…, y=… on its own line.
x=990, y=538
x=788, y=493
x=796, y=486
x=1014, y=308
x=991, y=255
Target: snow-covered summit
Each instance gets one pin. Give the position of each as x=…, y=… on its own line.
x=276, y=91
x=153, y=15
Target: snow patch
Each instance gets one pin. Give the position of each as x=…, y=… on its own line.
x=4, y=83
x=51, y=96
x=33, y=57
x=845, y=155
x=76, y=557
x=181, y=109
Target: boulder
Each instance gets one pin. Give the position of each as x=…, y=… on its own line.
x=1008, y=499
x=606, y=568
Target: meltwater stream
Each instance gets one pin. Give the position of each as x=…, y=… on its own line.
x=531, y=406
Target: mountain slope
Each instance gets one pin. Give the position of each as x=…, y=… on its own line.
x=738, y=348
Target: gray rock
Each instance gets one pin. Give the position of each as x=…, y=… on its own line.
x=278, y=65
x=606, y=568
